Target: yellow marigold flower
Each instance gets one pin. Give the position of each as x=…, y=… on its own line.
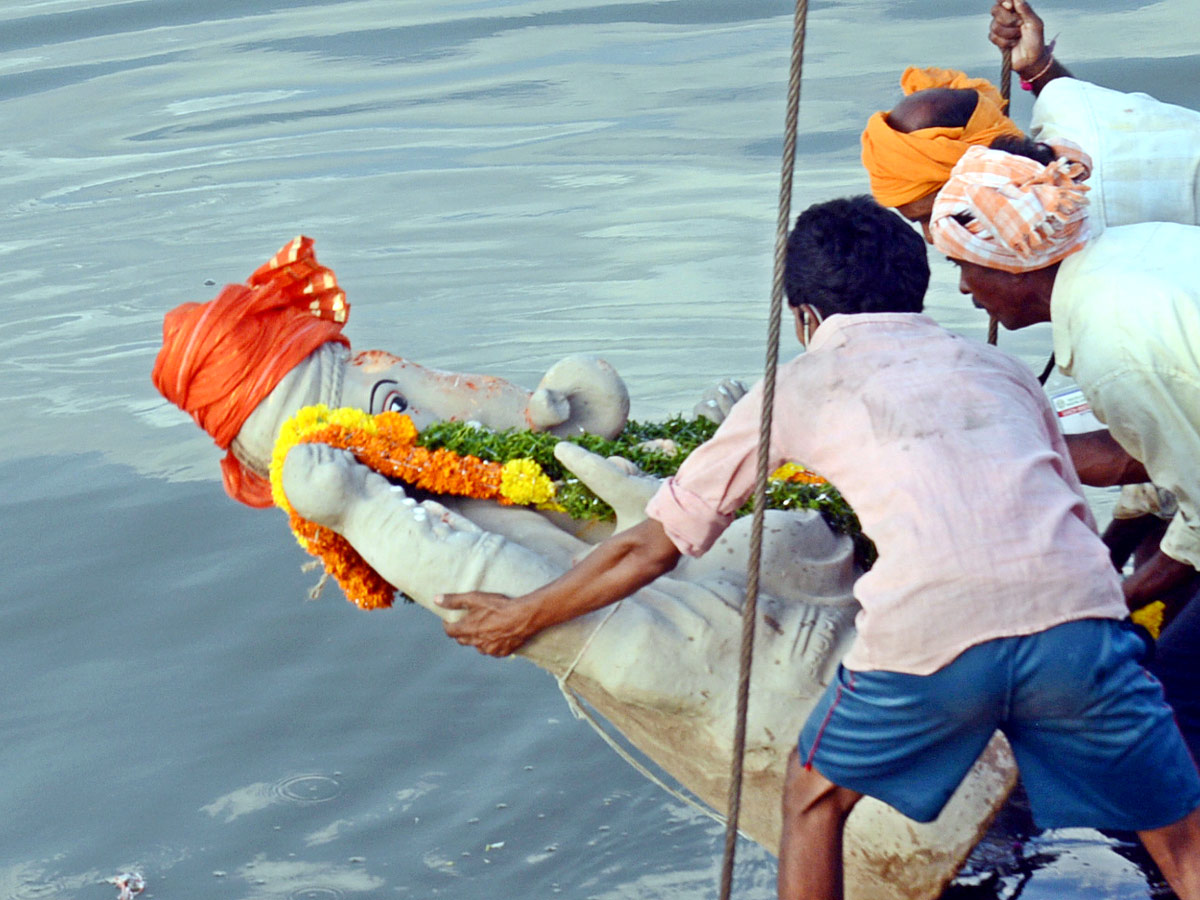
x=1150, y=617
x=793, y=472
x=289, y=436
x=523, y=482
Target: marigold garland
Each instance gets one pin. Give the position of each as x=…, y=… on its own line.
x=390, y=444
x=387, y=443
x=510, y=467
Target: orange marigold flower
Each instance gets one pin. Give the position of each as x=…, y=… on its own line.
x=387, y=444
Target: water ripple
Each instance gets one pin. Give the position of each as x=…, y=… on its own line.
x=307, y=789
x=295, y=789
x=316, y=893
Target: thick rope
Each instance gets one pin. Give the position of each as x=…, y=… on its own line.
x=1006, y=92
x=750, y=608
x=579, y=711
x=562, y=679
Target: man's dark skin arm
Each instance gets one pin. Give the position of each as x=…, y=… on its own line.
x=1154, y=579
x=1102, y=462
x=1016, y=27
x=498, y=625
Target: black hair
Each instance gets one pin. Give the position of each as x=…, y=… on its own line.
x=1020, y=145
x=853, y=256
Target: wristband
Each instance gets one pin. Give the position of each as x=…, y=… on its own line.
x=1027, y=83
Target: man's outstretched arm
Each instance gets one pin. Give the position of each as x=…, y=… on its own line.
x=1155, y=579
x=497, y=625
x=1016, y=27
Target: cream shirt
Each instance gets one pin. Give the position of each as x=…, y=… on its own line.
x=1145, y=153
x=1126, y=321
x=951, y=456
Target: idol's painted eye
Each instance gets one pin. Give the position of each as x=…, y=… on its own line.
x=386, y=398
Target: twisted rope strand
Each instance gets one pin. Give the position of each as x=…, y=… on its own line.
x=993, y=332
x=750, y=608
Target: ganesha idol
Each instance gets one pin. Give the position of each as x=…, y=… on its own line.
x=661, y=666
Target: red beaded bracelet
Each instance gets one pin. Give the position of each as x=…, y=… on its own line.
x=1027, y=83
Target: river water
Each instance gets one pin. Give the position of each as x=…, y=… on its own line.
x=497, y=184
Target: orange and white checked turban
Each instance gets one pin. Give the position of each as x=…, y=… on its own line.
x=220, y=359
x=1022, y=215
x=907, y=167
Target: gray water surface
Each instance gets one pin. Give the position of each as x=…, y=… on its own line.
x=497, y=185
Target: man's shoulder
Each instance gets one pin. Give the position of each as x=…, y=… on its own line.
x=1131, y=282
x=1000, y=362
x=1133, y=250
x=1075, y=109
x=1072, y=89
x=860, y=337
x=1072, y=93
x=929, y=345
x=863, y=339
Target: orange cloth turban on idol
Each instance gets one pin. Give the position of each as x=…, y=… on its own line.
x=907, y=167
x=1022, y=215
x=220, y=359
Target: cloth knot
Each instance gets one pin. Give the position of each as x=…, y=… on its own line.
x=220, y=359
x=1012, y=213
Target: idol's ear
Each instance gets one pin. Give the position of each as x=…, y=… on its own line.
x=580, y=394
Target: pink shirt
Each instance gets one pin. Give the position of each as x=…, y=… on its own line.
x=950, y=455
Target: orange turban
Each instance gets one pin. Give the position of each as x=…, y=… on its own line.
x=220, y=359
x=1022, y=215
x=907, y=167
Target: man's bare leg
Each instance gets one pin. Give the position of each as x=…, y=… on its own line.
x=810, y=848
x=1176, y=850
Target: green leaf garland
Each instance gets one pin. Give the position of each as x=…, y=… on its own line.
x=686, y=434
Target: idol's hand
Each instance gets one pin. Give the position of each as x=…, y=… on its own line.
x=615, y=480
x=718, y=400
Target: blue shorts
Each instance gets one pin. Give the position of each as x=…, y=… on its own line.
x=1176, y=664
x=1095, y=742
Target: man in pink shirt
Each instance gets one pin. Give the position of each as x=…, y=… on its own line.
x=992, y=605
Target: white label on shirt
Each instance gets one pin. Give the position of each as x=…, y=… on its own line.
x=1075, y=415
